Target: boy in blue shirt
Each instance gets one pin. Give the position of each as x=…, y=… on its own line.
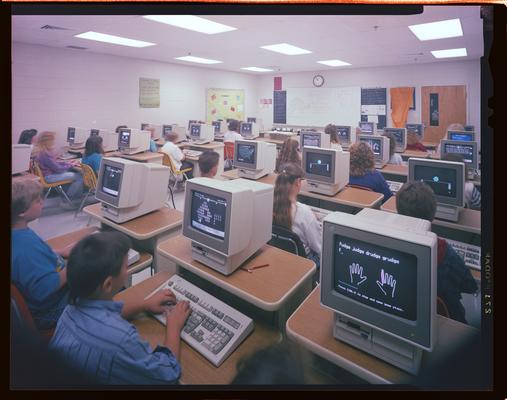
x=92, y=333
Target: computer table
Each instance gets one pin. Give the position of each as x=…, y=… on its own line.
x=271, y=292
x=414, y=153
x=147, y=231
x=311, y=326
x=146, y=157
x=196, y=370
x=397, y=173
x=277, y=142
x=25, y=176
x=213, y=146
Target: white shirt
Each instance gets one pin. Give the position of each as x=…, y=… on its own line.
x=174, y=152
x=231, y=136
x=336, y=146
x=396, y=159
x=306, y=226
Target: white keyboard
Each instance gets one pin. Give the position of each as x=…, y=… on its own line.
x=67, y=156
x=394, y=186
x=133, y=256
x=193, y=153
x=213, y=328
x=470, y=253
x=200, y=141
x=320, y=213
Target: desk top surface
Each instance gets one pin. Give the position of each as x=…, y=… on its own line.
x=266, y=288
x=71, y=237
x=142, y=157
x=234, y=174
x=145, y=226
x=195, y=368
x=270, y=140
x=311, y=325
x=208, y=146
x=415, y=153
x=395, y=169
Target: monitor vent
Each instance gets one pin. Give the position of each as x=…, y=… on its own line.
x=54, y=28
x=77, y=47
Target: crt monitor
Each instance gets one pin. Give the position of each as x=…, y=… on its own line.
x=227, y=221
x=251, y=119
x=344, y=135
x=467, y=149
x=417, y=129
x=400, y=134
x=315, y=139
x=378, y=274
x=202, y=132
x=190, y=122
x=109, y=138
x=446, y=178
x=254, y=159
x=132, y=141
x=166, y=128
x=379, y=146
x=129, y=189
x=219, y=126
x=368, y=128
x=464, y=136
x=157, y=129
x=20, y=158
x=76, y=137
x=248, y=129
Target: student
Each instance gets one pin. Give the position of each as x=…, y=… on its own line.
x=331, y=130
x=54, y=170
x=413, y=142
x=363, y=172
x=208, y=163
x=177, y=156
x=153, y=145
x=451, y=127
x=93, y=153
x=288, y=153
x=472, y=194
x=232, y=134
x=416, y=199
x=28, y=136
x=37, y=270
x=395, y=158
x=293, y=215
x=92, y=333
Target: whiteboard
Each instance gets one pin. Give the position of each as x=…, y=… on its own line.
x=322, y=106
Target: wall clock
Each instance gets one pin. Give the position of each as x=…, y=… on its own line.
x=318, y=80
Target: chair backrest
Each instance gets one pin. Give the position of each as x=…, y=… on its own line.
x=360, y=187
x=167, y=161
x=38, y=172
x=89, y=177
x=229, y=150
x=286, y=240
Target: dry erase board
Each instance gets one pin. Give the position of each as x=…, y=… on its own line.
x=321, y=106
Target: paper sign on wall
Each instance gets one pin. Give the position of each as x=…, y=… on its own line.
x=149, y=93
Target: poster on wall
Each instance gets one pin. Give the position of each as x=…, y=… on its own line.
x=149, y=93
x=224, y=104
x=374, y=106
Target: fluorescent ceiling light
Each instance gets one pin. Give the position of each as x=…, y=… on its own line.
x=450, y=53
x=333, y=63
x=257, y=69
x=192, y=23
x=285, y=48
x=102, y=37
x=437, y=30
x=198, y=60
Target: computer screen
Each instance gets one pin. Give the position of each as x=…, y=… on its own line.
x=94, y=132
x=124, y=138
x=463, y=136
x=343, y=133
x=166, y=129
x=245, y=128
x=195, y=131
x=399, y=134
x=418, y=129
x=367, y=127
x=190, y=122
x=111, y=180
x=375, y=143
x=208, y=213
x=216, y=126
x=246, y=153
x=318, y=163
x=466, y=149
x=71, y=133
x=310, y=139
x=251, y=119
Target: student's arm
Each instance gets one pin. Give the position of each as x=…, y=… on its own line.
x=52, y=164
x=63, y=278
x=384, y=187
x=313, y=232
x=155, y=304
x=64, y=251
x=176, y=319
x=153, y=146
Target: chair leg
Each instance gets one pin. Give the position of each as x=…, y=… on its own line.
x=47, y=194
x=62, y=192
x=82, y=203
x=172, y=197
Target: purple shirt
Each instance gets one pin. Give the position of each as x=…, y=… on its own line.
x=50, y=165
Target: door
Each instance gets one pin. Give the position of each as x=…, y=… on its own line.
x=442, y=106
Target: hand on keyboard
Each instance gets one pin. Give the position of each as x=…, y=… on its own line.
x=157, y=303
x=177, y=315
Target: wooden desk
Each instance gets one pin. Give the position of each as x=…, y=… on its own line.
x=195, y=368
x=25, y=176
x=147, y=156
x=414, y=153
x=214, y=146
x=311, y=326
x=396, y=173
x=430, y=145
x=61, y=241
x=147, y=230
x=287, y=279
x=278, y=142
x=114, y=153
x=269, y=179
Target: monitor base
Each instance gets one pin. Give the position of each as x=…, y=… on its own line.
x=322, y=188
x=252, y=174
x=448, y=213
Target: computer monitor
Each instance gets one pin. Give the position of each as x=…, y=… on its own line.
x=227, y=221
x=190, y=122
x=315, y=139
x=132, y=141
x=202, y=132
x=344, y=135
x=327, y=170
x=400, y=134
x=248, y=130
x=220, y=127
x=446, y=178
x=469, y=128
x=158, y=129
x=368, y=128
x=20, y=158
x=109, y=138
x=467, y=149
x=251, y=119
x=463, y=136
x=254, y=159
x=417, y=129
x=378, y=275
x=180, y=130
x=129, y=189
x=76, y=137
x=379, y=146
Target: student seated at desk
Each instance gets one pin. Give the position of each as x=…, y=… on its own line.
x=92, y=333
x=394, y=158
x=472, y=194
x=153, y=145
x=416, y=199
x=177, y=156
x=330, y=129
x=293, y=215
x=208, y=163
x=363, y=172
x=232, y=134
x=28, y=136
x=37, y=270
x=413, y=142
x=93, y=153
x=289, y=152
x=54, y=170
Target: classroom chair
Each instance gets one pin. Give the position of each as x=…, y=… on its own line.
x=22, y=312
x=176, y=174
x=58, y=184
x=286, y=240
x=90, y=182
x=228, y=155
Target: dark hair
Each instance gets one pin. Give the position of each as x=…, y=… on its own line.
x=208, y=160
x=27, y=136
x=93, y=145
x=392, y=143
x=92, y=260
x=119, y=127
x=362, y=159
x=233, y=125
x=416, y=199
x=289, y=172
x=288, y=153
x=332, y=131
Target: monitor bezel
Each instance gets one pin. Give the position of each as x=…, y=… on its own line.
x=166, y=126
x=190, y=131
x=239, y=164
x=367, y=122
x=68, y=132
x=241, y=128
x=410, y=331
x=100, y=194
x=348, y=140
x=120, y=144
x=373, y=137
x=251, y=120
x=419, y=131
x=319, y=178
x=403, y=143
x=314, y=133
x=463, y=143
x=216, y=127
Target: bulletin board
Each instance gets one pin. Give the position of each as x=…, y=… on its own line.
x=225, y=103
